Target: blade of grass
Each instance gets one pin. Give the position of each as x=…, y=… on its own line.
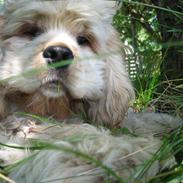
x=6, y=179
x=153, y=6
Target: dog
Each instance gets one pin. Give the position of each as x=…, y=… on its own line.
x=59, y=59
x=95, y=79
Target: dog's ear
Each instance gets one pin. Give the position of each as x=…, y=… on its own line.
x=111, y=108
x=108, y=9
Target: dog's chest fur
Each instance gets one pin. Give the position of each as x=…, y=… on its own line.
x=58, y=108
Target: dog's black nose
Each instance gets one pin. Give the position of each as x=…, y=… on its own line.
x=55, y=56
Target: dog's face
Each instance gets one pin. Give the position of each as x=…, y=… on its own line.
x=56, y=47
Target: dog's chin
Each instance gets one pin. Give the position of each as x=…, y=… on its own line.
x=52, y=89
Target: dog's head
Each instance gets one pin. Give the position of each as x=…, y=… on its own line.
x=65, y=47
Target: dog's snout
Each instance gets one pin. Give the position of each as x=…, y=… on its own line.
x=55, y=55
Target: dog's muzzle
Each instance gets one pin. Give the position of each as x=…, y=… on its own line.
x=58, y=57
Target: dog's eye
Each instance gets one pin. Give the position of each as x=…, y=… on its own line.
x=82, y=41
x=32, y=32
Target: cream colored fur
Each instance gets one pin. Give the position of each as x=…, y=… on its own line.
x=97, y=74
x=96, y=82
x=124, y=154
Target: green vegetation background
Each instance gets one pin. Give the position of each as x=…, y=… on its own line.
x=154, y=31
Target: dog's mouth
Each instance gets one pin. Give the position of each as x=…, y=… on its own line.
x=52, y=87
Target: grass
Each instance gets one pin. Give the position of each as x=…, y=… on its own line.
x=148, y=81
x=149, y=56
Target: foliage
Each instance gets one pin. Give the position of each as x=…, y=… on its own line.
x=153, y=31
x=141, y=27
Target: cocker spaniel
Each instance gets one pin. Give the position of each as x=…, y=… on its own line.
x=58, y=59
x=58, y=55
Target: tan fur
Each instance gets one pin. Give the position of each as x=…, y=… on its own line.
x=38, y=104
